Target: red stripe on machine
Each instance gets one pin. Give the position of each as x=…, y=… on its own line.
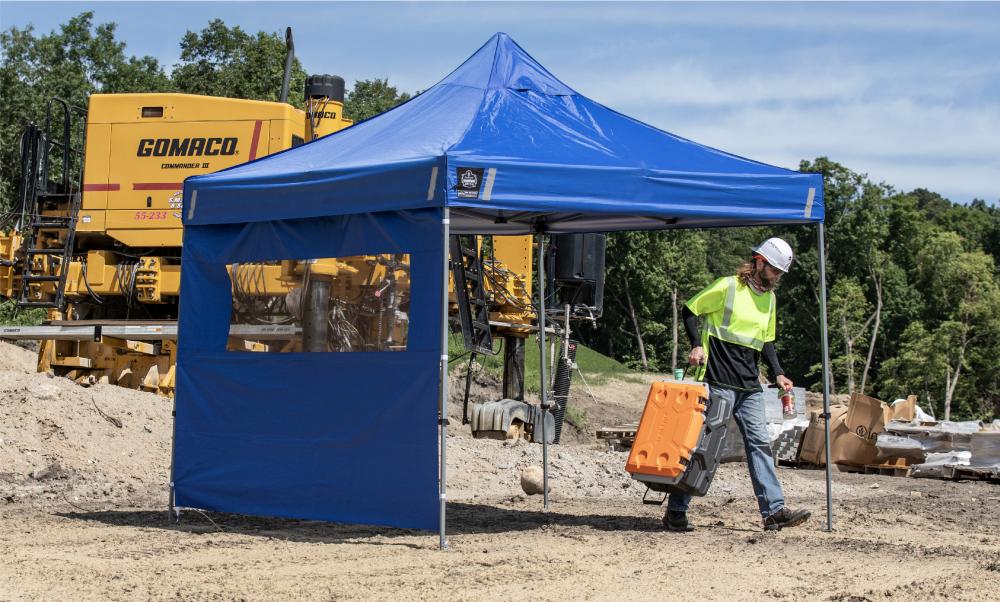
x=100, y=187
x=253, y=144
x=157, y=186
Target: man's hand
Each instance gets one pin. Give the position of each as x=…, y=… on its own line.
x=697, y=356
x=783, y=382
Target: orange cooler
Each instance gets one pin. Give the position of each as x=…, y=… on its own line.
x=668, y=433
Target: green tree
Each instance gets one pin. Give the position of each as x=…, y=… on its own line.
x=371, y=97
x=633, y=281
x=231, y=63
x=731, y=247
x=11, y=315
x=648, y=277
x=962, y=289
x=684, y=267
x=916, y=368
x=855, y=232
x=851, y=318
x=72, y=63
x=977, y=223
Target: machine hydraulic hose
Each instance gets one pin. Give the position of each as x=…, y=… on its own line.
x=560, y=392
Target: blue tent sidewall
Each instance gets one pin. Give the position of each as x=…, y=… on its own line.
x=347, y=437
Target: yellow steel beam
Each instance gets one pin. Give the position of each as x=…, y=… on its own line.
x=143, y=347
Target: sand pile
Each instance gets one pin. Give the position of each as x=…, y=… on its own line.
x=58, y=437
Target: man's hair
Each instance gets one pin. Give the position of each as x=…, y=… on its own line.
x=746, y=272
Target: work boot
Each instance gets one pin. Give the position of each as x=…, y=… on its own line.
x=785, y=517
x=677, y=521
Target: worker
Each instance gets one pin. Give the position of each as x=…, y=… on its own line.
x=739, y=314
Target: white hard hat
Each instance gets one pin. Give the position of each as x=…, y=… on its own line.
x=777, y=252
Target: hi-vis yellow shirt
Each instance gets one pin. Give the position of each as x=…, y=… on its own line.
x=733, y=312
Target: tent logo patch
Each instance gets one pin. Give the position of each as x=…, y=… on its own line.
x=470, y=179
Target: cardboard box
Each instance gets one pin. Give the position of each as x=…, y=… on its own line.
x=853, y=450
x=813, y=447
x=866, y=418
x=812, y=450
x=906, y=410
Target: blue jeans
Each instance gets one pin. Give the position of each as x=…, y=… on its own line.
x=748, y=409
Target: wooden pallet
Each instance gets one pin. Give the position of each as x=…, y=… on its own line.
x=975, y=473
x=889, y=470
x=801, y=464
x=619, y=437
x=962, y=473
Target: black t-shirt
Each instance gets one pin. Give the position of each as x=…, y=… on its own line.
x=732, y=366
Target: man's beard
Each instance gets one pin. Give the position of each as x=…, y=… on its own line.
x=766, y=284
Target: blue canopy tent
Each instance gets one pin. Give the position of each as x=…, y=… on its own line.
x=499, y=146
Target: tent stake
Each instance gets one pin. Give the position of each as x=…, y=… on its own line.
x=826, y=376
x=541, y=368
x=443, y=386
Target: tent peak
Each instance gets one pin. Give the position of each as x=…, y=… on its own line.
x=502, y=64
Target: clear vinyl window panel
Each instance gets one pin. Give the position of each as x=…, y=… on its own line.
x=333, y=304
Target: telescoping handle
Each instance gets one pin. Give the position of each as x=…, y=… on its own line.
x=680, y=374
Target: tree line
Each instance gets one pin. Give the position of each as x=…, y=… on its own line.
x=913, y=294
x=914, y=291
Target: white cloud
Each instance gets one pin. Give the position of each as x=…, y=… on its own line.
x=899, y=128
x=691, y=82
x=798, y=75
x=800, y=17
x=948, y=149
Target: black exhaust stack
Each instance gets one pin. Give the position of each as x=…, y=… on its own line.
x=289, y=58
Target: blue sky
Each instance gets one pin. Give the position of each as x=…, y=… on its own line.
x=907, y=93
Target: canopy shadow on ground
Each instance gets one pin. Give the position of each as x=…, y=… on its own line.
x=463, y=519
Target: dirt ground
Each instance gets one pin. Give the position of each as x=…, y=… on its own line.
x=83, y=475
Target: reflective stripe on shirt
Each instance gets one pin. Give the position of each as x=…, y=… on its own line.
x=724, y=331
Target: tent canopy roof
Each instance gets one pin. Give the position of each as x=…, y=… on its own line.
x=511, y=149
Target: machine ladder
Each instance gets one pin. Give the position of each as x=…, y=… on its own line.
x=470, y=293
x=49, y=208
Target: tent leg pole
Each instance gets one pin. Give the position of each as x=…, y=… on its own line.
x=443, y=386
x=826, y=375
x=541, y=368
x=172, y=512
